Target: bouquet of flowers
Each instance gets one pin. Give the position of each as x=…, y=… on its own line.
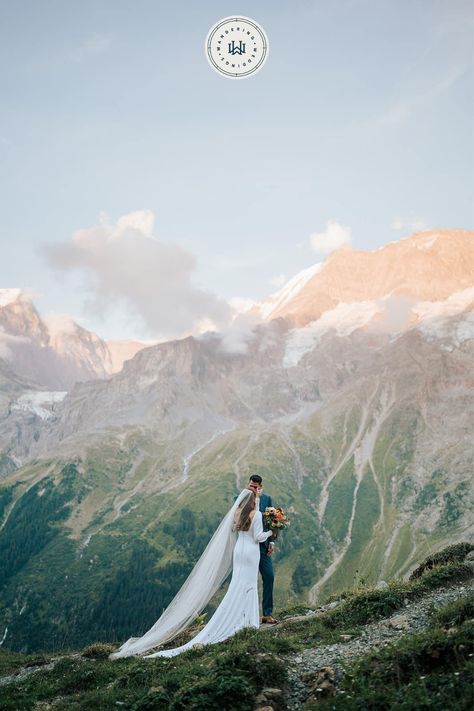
x=275, y=519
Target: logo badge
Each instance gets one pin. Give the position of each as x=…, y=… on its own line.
x=236, y=47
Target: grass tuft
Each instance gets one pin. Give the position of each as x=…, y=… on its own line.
x=454, y=613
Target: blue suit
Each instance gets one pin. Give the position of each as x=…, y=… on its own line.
x=266, y=564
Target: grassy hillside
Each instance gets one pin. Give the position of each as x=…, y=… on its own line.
x=93, y=547
x=427, y=669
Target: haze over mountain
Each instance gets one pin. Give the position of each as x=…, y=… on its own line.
x=352, y=398
x=55, y=351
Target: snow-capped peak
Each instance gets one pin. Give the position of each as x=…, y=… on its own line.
x=288, y=291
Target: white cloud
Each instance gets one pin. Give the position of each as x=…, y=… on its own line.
x=241, y=304
x=413, y=224
x=140, y=221
x=237, y=336
x=125, y=268
x=335, y=236
x=236, y=340
x=7, y=340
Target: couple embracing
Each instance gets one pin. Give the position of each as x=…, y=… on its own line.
x=240, y=544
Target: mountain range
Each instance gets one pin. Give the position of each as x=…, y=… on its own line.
x=351, y=396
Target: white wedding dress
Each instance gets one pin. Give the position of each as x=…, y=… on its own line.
x=239, y=607
x=227, y=550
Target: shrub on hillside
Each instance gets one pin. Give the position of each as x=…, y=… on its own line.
x=98, y=650
x=452, y=554
x=454, y=613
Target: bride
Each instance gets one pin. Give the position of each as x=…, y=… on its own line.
x=235, y=544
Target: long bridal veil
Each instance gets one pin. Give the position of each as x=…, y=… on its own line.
x=208, y=574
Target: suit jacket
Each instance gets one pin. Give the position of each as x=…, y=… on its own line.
x=265, y=500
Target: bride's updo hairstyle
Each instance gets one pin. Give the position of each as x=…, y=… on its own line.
x=244, y=510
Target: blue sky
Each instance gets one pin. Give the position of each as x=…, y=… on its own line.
x=361, y=116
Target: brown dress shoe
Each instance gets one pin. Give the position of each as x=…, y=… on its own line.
x=269, y=620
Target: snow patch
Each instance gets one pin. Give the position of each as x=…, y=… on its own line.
x=394, y=315
x=40, y=402
x=425, y=243
x=344, y=319
x=434, y=318
x=457, y=333
x=455, y=303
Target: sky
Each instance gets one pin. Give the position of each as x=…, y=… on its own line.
x=141, y=191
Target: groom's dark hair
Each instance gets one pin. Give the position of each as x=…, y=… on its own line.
x=256, y=478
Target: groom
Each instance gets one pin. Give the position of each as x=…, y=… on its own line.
x=266, y=550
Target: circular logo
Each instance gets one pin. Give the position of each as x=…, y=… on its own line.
x=236, y=47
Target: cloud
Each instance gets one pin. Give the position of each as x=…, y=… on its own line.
x=241, y=304
x=236, y=337
x=395, y=313
x=125, y=268
x=412, y=224
x=335, y=236
x=7, y=340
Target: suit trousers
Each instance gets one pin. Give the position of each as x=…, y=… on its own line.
x=266, y=571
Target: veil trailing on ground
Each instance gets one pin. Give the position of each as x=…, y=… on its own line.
x=208, y=574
